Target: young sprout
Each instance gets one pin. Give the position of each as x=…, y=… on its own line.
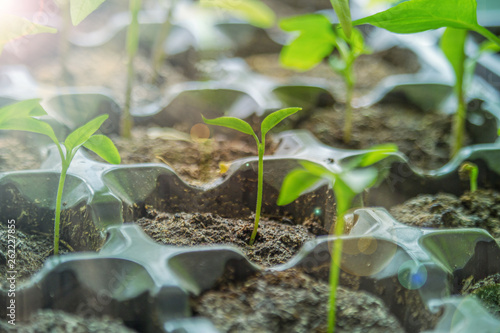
x=357, y=176
x=267, y=124
x=132, y=47
x=458, y=16
x=21, y=116
x=469, y=170
x=158, y=52
x=316, y=41
x=453, y=45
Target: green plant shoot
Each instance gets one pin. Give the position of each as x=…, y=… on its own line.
x=158, y=52
x=267, y=124
x=458, y=16
x=132, y=47
x=317, y=39
x=357, y=176
x=471, y=171
x=341, y=8
x=453, y=46
x=21, y=116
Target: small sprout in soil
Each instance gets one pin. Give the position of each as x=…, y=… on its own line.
x=21, y=116
x=267, y=124
x=469, y=170
x=316, y=41
x=458, y=16
x=357, y=176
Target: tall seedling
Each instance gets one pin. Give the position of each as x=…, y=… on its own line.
x=21, y=116
x=132, y=46
x=354, y=179
x=317, y=40
x=267, y=124
x=458, y=16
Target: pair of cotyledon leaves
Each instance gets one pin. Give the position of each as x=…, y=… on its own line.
x=316, y=38
x=355, y=177
x=22, y=116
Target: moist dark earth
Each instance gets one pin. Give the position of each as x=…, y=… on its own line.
x=290, y=301
x=276, y=241
x=479, y=209
x=60, y=322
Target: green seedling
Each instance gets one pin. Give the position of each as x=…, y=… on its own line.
x=267, y=124
x=21, y=116
x=469, y=170
x=158, y=52
x=453, y=45
x=357, y=176
x=317, y=40
x=132, y=47
x=459, y=17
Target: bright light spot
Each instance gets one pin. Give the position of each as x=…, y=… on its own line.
x=412, y=275
x=200, y=132
x=317, y=211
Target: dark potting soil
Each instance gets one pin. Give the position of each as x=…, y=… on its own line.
x=423, y=136
x=487, y=290
x=276, y=241
x=16, y=155
x=31, y=251
x=58, y=321
x=195, y=162
x=479, y=209
x=290, y=301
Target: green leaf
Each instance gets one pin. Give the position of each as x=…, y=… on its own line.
x=79, y=136
x=12, y=27
x=29, y=124
x=358, y=180
x=317, y=169
x=295, y=183
x=275, y=118
x=18, y=116
x=377, y=153
x=343, y=12
x=80, y=9
x=316, y=41
x=231, y=122
x=453, y=45
x=104, y=147
x=254, y=12
x=421, y=15
x=27, y=108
